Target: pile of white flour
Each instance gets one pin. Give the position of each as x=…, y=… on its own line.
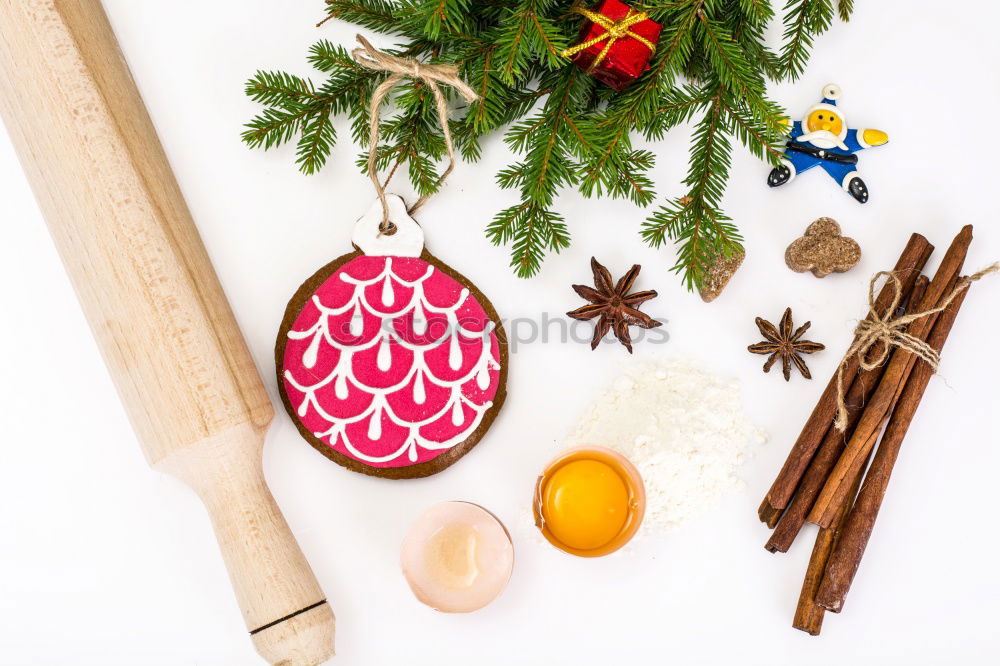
x=682, y=427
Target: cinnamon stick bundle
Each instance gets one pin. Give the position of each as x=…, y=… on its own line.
x=857, y=528
x=837, y=488
x=910, y=262
x=833, y=445
x=897, y=371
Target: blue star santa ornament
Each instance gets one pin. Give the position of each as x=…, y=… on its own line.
x=821, y=138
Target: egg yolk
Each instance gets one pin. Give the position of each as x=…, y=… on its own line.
x=585, y=504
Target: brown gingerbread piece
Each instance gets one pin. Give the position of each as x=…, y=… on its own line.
x=823, y=249
x=719, y=275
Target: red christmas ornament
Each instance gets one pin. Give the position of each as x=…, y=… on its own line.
x=616, y=43
x=389, y=362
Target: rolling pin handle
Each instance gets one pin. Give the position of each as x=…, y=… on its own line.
x=284, y=608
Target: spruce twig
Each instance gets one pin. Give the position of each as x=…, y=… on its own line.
x=711, y=68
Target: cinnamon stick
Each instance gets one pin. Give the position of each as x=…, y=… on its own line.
x=768, y=514
x=808, y=613
x=909, y=264
x=918, y=293
x=897, y=372
x=846, y=556
x=830, y=450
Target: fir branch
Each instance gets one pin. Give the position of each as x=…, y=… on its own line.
x=758, y=123
x=678, y=31
x=328, y=57
x=757, y=12
x=710, y=154
x=441, y=15
x=318, y=137
x=532, y=229
x=274, y=127
x=526, y=38
x=382, y=16
x=844, y=9
x=567, y=131
x=548, y=141
x=695, y=222
x=677, y=106
x=748, y=27
x=498, y=104
x=804, y=20
x=729, y=64
x=280, y=89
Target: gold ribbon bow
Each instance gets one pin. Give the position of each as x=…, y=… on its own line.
x=614, y=30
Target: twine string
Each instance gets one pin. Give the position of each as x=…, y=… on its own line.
x=613, y=31
x=891, y=331
x=399, y=68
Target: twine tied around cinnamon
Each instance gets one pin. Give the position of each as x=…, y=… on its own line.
x=891, y=331
x=614, y=30
x=398, y=67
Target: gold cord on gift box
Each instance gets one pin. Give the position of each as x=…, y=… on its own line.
x=371, y=58
x=891, y=331
x=615, y=30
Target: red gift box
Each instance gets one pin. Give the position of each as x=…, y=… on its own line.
x=616, y=43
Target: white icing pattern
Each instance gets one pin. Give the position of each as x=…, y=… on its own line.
x=419, y=372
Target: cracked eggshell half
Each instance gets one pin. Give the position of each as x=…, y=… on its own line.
x=457, y=557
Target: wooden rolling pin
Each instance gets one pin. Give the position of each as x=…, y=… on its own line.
x=154, y=302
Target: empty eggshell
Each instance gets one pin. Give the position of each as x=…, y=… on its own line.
x=457, y=557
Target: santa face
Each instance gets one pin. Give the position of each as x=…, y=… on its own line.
x=826, y=120
x=824, y=127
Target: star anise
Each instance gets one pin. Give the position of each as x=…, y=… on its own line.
x=782, y=343
x=612, y=302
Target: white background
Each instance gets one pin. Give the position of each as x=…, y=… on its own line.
x=103, y=561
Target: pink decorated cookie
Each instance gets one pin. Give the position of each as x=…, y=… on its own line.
x=389, y=362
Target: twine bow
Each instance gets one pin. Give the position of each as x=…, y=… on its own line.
x=371, y=58
x=614, y=30
x=891, y=331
